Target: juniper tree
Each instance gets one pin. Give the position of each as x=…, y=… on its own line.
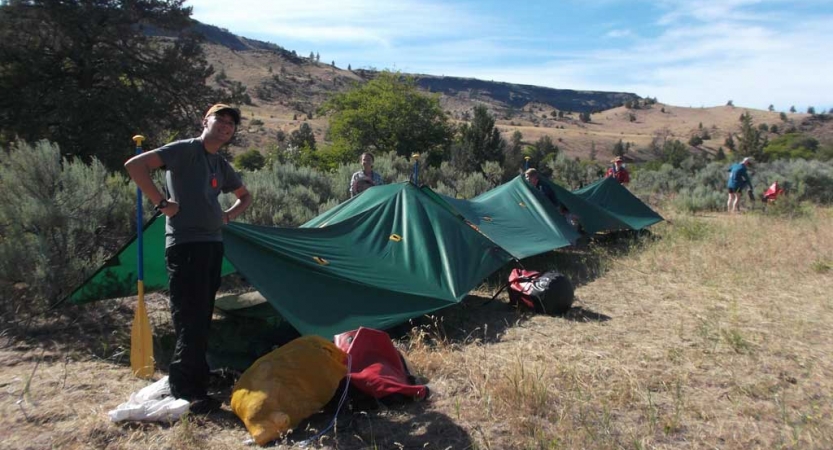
x=695, y=141
x=303, y=137
x=730, y=143
x=480, y=140
x=751, y=140
x=620, y=148
x=86, y=76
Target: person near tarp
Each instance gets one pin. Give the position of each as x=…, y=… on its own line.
x=366, y=177
x=195, y=175
x=738, y=181
x=618, y=171
x=532, y=178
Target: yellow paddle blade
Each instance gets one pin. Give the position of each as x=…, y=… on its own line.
x=141, y=340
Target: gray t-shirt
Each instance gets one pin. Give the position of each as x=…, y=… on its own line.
x=195, y=179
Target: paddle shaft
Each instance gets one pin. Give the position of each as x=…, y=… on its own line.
x=141, y=343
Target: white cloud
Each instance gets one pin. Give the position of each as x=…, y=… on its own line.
x=320, y=21
x=703, y=52
x=619, y=33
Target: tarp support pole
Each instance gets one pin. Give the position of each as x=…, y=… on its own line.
x=415, y=157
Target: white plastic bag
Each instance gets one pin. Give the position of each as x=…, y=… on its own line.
x=152, y=403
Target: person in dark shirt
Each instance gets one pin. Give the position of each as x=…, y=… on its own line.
x=195, y=176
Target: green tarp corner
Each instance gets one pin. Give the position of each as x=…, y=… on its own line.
x=516, y=217
x=117, y=278
x=619, y=202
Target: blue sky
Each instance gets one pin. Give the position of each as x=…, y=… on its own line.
x=685, y=53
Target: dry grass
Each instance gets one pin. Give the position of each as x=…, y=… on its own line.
x=715, y=335
x=608, y=127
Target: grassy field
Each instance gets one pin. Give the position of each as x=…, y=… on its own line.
x=713, y=333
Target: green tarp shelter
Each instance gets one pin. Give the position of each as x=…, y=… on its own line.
x=396, y=254
x=619, y=202
x=393, y=253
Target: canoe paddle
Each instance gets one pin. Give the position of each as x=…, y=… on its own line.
x=141, y=337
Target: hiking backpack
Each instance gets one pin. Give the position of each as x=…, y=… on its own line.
x=549, y=292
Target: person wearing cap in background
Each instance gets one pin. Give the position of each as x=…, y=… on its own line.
x=618, y=171
x=195, y=175
x=738, y=180
x=366, y=177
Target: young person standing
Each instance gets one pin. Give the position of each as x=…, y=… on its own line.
x=195, y=176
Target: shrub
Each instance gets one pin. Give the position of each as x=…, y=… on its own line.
x=700, y=198
x=789, y=206
x=286, y=195
x=59, y=218
x=792, y=145
x=705, y=189
x=251, y=160
x=695, y=141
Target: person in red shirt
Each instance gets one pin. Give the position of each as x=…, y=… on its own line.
x=619, y=172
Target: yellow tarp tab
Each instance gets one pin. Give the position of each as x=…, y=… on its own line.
x=288, y=385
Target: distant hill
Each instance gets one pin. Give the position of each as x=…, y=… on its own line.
x=287, y=89
x=509, y=94
x=520, y=95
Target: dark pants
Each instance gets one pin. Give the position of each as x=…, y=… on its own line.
x=194, y=277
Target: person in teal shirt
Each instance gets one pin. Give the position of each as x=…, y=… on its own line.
x=738, y=180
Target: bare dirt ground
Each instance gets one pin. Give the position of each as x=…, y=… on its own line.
x=713, y=333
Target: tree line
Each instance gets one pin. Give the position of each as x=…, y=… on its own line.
x=85, y=75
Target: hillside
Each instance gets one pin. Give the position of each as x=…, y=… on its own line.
x=286, y=89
